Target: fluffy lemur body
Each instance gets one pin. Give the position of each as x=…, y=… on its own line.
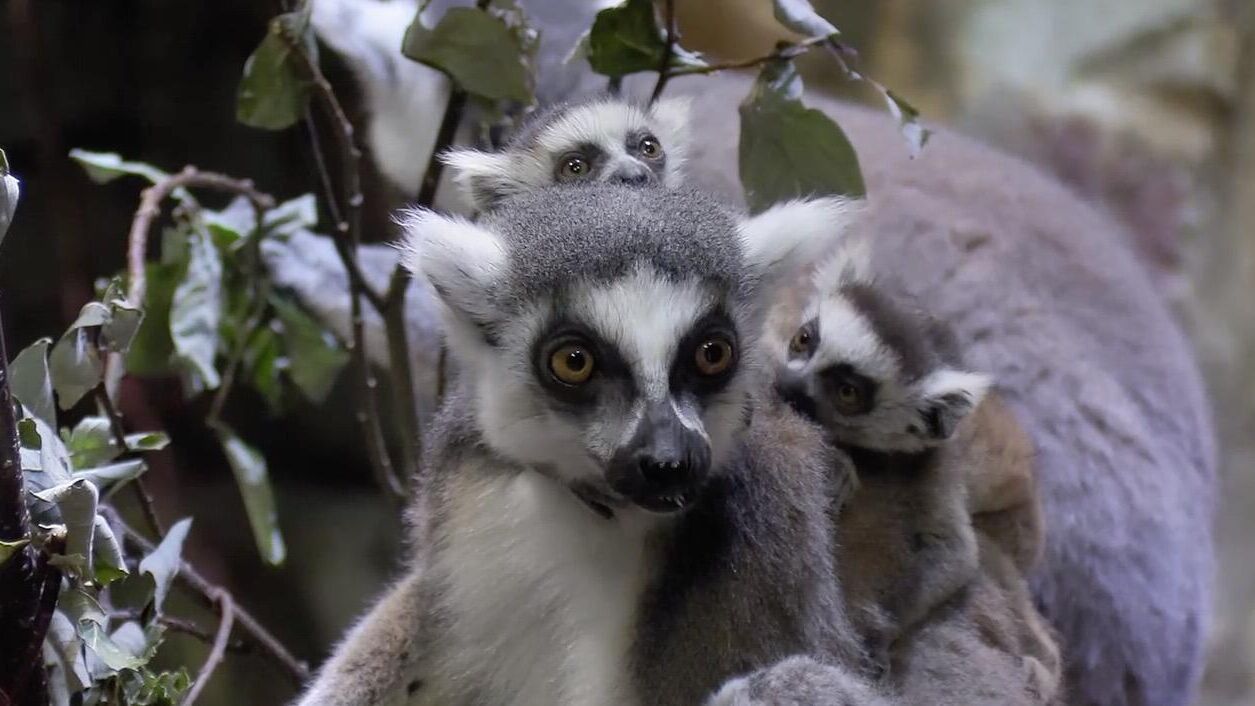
x=944, y=515
x=606, y=514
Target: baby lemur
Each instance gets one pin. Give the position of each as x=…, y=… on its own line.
x=600, y=139
x=944, y=511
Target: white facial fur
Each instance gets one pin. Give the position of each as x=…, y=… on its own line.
x=485, y=177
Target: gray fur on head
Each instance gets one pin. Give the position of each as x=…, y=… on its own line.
x=596, y=140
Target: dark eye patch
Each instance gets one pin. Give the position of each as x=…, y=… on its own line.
x=592, y=155
x=685, y=375
x=633, y=146
x=610, y=367
x=834, y=377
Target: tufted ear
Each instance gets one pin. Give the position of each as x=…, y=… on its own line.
x=670, y=117
x=779, y=241
x=946, y=397
x=849, y=263
x=485, y=177
x=461, y=260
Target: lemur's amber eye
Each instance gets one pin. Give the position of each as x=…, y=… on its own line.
x=571, y=364
x=803, y=342
x=714, y=356
x=849, y=398
x=574, y=165
x=650, y=147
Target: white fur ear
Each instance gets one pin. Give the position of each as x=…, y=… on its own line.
x=779, y=241
x=850, y=263
x=670, y=117
x=947, y=396
x=484, y=177
x=461, y=260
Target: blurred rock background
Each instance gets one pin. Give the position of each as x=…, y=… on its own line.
x=1145, y=106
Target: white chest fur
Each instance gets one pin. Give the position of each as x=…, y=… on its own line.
x=541, y=593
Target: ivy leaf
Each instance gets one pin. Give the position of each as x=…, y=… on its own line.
x=152, y=348
x=77, y=502
x=908, y=119
x=254, y=482
x=63, y=651
x=119, y=331
x=31, y=383
x=478, y=51
x=263, y=358
x=276, y=86
x=144, y=688
x=75, y=361
x=108, y=560
x=96, y=639
x=147, y=441
x=44, y=453
x=104, y=167
x=315, y=357
x=163, y=564
x=113, y=474
x=10, y=190
x=91, y=443
x=626, y=39
x=799, y=16
x=788, y=150
x=196, y=311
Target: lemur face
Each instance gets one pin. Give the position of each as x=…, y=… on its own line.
x=868, y=370
x=608, y=334
x=606, y=140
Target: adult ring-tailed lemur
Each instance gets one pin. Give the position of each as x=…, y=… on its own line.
x=1039, y=285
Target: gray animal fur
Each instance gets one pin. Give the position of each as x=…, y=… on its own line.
x=742, y=579
x=1046, y=293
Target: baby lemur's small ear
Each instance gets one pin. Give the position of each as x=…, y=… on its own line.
x=946, y=397
x=484, y=177
x=778, y=242
x=462, y=261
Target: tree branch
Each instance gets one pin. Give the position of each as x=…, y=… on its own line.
x=150, y=208
x=664, y=67
x=781, y=53
x=226, y=609
x=190, y=578
x=142, y=496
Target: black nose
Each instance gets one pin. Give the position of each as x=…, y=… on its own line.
x=663, y=461
x=634, y=175
x=793, y=391
x=664, y=474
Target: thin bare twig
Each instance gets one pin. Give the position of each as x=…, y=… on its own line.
x=150, y=208
x=781, y=53
x=142, y=496
x=664, y=67
x=347, y=239
x=226, y=609
x=190, y=578
x=183, y=626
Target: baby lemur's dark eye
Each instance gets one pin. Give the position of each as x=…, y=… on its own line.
x=571, y=364
x=573, y=165
x=714, y=356
x=650, y=147
x=849, y=399
x=802, y=345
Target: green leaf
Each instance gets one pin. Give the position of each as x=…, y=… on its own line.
x=91, y=443
x=113, y=474
x=77, y=502
x=292, y=215
x=8, y=549
x=799, y=16
x=63, y=649
x=152, y=349
x=147, y=441
x=788, y=150
x=81, y=607
x=196, y=311
x=315, y=357
x=480, y=52
x=124, y=322
x=908, y=120
x=99, y=642
x=31, y=383
x=626, y=38
x=44, y=453
x=104, y=167
x=263, y=358
x=144, y=688
x=254, y=482
x=108, y=560
x=163, y=564
x=10, y=190
x=75, y=361
x=275, y=89
x=28, y=435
